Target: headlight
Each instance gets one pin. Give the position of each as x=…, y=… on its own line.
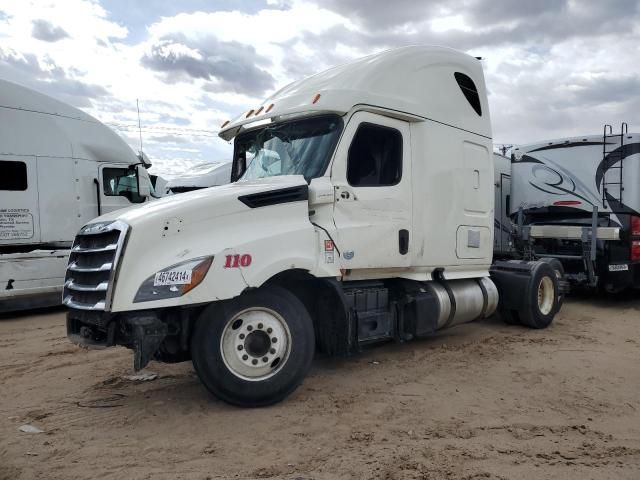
x=93, y=228
x=174, y=281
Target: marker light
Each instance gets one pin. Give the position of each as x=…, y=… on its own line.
x=635, y=226
x=316, y=98
x=259, y=110
x=562, y=203
x=269, y=108
x=225, y=123
x=249, y=113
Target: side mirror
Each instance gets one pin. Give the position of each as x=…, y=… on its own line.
x=144, y=181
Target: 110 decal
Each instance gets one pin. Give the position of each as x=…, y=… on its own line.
x=237, y=261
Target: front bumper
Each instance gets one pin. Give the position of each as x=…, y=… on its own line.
x=143, y=332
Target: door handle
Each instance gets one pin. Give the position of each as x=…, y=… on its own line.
x=403, y=241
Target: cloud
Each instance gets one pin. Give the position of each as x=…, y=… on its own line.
x=171, y=139
x=47, y=32
x=553, y=67
x=473, y=24
x=224, y=65
x=48, y=77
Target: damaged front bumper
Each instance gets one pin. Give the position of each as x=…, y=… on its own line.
x=143, y=332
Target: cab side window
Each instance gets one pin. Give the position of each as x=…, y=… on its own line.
x=375, y=157
x=13, y=176
x=121, y=182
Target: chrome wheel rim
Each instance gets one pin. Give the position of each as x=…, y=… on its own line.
x=255, y=344
x=546, y=295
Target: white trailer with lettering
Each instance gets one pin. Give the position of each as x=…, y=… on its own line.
x=59, y=168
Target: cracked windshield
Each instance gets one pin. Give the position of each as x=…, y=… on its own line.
x=292, y=148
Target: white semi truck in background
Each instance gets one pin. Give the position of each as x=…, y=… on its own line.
x=204, y=175
x=59, y=168
x=361, y=211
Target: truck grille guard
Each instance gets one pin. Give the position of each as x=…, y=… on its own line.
x=93, y=264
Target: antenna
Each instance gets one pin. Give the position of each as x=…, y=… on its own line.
x=139, y=124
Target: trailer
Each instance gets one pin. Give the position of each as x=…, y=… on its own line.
x=59, y=168
x=504, y=229
x=361, y=211
x=577, y=200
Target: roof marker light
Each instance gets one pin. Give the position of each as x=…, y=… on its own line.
x=259, y=110
x=269, y=108
x=249, y=113
x=316, y=98
x=225, y=123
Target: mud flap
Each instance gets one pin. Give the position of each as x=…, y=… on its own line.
x=147, y=333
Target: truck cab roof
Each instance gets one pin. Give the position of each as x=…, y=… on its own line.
x=423, y=82
x=38, y=125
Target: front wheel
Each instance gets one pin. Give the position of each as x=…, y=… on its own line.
x=254, y=350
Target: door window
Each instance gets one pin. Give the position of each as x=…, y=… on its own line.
x=13, y=176
x=121, y=182
x=375, y=157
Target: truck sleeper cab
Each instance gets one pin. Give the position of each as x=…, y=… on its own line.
x=360, y=211
x=59, y=168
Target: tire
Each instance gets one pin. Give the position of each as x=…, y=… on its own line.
x=541, y=301
x=234, y=353
x=559, y=271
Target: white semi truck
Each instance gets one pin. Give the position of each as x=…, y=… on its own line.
x=59, y=168
x=204, y=175
x=361, y=211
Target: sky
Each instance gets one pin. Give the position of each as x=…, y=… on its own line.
x=553, y=68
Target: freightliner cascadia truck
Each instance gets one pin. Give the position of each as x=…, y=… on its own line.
x=361, y=211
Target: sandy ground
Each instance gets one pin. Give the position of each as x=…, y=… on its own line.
x=480, y=401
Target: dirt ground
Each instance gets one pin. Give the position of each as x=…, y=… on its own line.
x=480, y=401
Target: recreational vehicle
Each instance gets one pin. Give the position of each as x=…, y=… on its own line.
x=59, y=168
x=565, y=189
x=361, y=211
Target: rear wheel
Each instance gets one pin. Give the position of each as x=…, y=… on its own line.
x=256, y=349
x=559, y=271
x=542, y=297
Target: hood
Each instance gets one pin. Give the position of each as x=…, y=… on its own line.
x=202, y=205
x=267, y=220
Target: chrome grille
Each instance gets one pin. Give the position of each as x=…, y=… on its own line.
x=92, y=265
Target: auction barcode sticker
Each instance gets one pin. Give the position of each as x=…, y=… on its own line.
x=173, y=277
x=618, y=268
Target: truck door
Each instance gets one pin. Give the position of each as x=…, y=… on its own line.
x=118, y=187
x=371, y=175
x=19, y=218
